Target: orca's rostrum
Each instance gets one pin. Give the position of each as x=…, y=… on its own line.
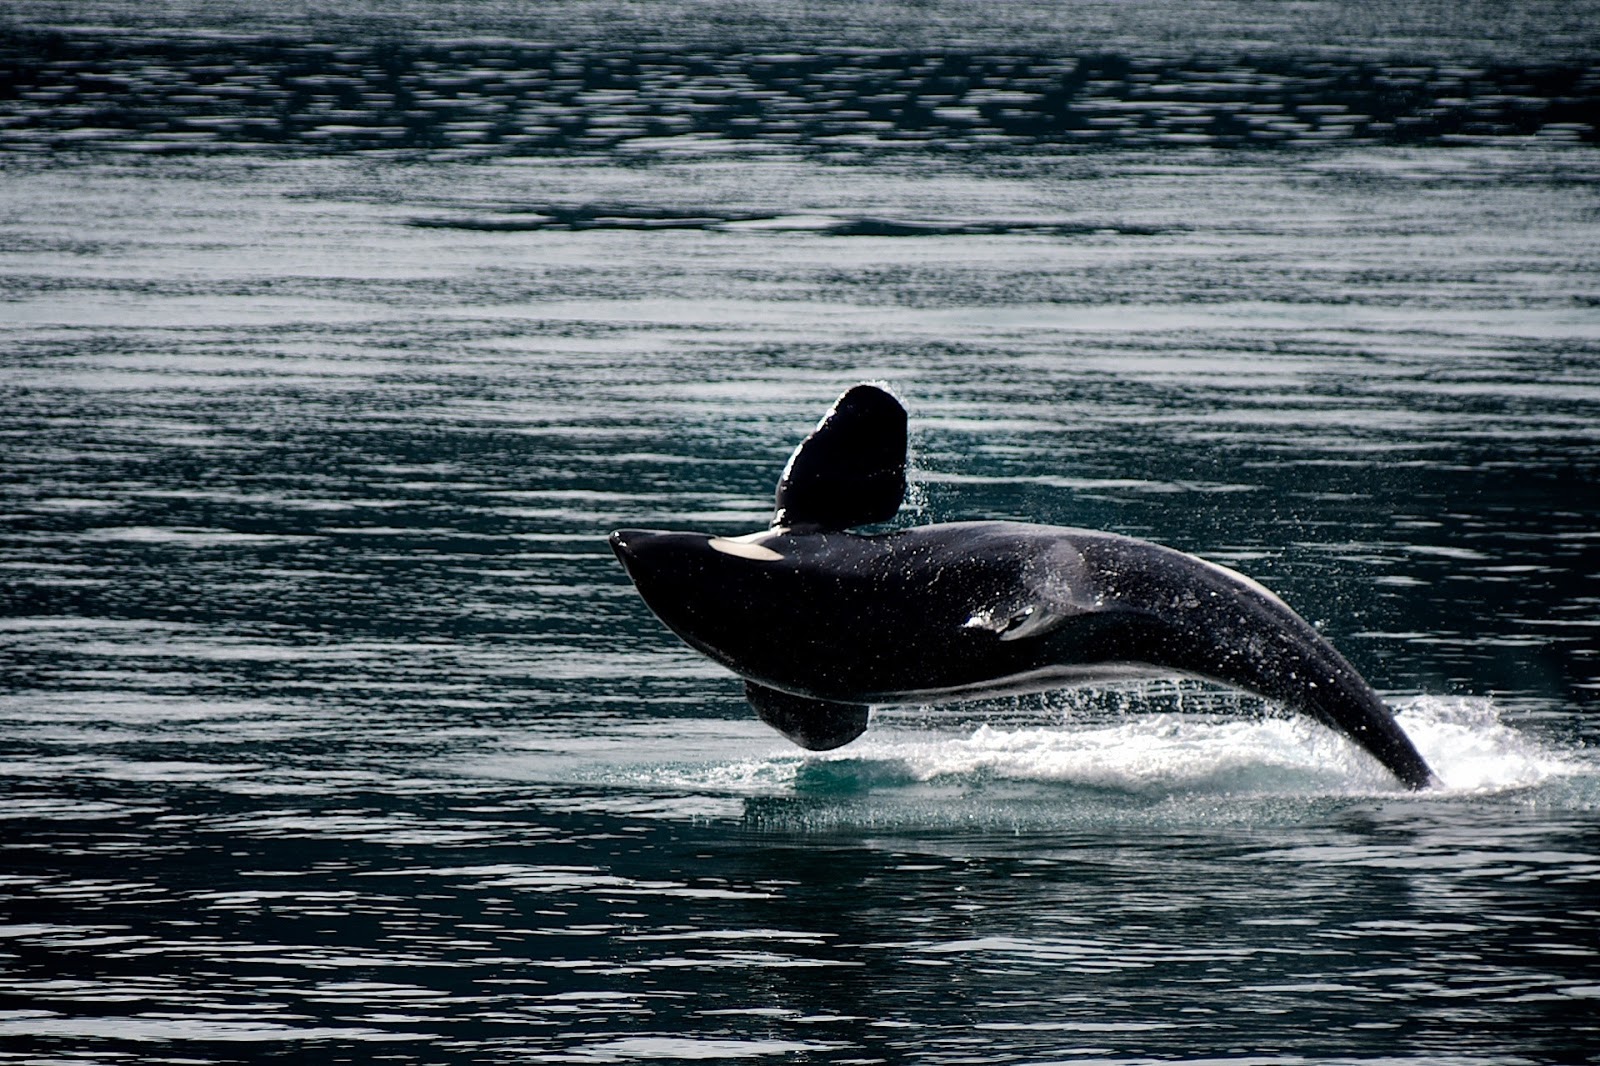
x=822, y=623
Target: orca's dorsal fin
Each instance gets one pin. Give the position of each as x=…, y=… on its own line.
x=851, y=470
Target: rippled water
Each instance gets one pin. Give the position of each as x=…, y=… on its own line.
x=333, y=732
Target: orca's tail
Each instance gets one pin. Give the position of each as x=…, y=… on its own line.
x=1208, y=621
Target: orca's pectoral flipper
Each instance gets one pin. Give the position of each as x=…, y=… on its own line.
x=851, y=470
x=815, y=724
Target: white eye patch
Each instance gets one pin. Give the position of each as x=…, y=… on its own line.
x=744, y=549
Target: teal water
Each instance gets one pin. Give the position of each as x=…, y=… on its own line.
x=333, y=732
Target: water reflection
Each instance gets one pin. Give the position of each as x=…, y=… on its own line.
x=407, y=921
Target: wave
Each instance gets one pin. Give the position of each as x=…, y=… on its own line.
x=933, y=768
x=72, y=89
x=1469, y=746
x=648, y=217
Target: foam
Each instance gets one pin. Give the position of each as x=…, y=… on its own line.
x=1465, y=740
x=1161, y=753
x=1199, y=757
x=1154, y=756
x=1472, y=749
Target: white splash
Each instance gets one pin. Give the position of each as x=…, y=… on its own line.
x=1215, y=748
x=1472, y=749
x=1467, y=743
x=1160, y=753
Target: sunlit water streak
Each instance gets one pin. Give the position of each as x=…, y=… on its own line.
x=331, y=730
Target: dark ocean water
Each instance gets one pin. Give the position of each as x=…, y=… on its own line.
x=333, y=342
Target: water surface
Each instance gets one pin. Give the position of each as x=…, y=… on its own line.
x=332, y=730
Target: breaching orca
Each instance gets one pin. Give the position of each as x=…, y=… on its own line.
x=821, y=622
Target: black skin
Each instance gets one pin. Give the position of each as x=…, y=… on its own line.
x=838, y=620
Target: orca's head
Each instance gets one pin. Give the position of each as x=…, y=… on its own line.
x=750, y=602
x=708, y=590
